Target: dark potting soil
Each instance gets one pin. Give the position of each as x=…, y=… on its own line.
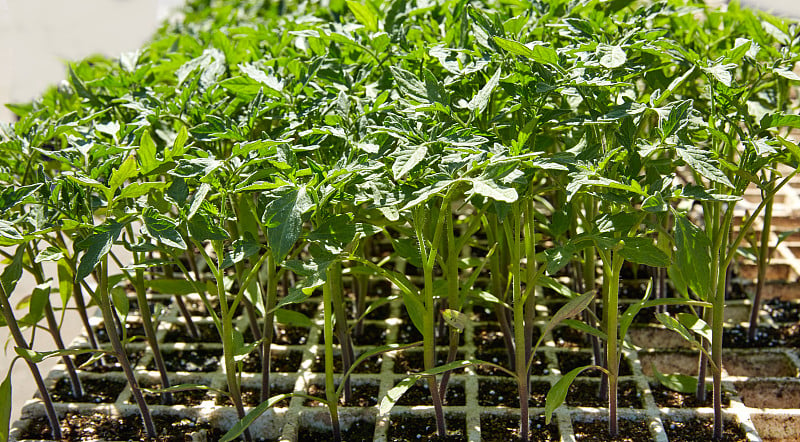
x=165, y=301
x=648, y=315
x=381, y=312
x=489, y=336
x=568, y=337
x=597, y=431
x=364, y=395
x=96, y=391
x=189, y=398
x=584, y=394
x=180, y=333
x=413, y=361
x=736, y=291
x=282, y=334
x=790, y=335
x=423, y=428
x=106, y=363
x=131, y=329
x=634, y=271
x=500, y=357
x=200, y=360
x=369, y=365
x=492, y=393
x=359, y=431
x=420, y=394
x=736, y=337
x=665, y=397
x=251, y=396
x=506, y=428
x=98, y=426
x=407, y=333
x=782, y=311
x=568, y=361
x=482, y=313
x=287, y=361
x=699, y=429
x=373, y=335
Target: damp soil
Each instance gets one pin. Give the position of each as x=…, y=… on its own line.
x=420, y=394
x=423, y=428
x=371, y=365
x=506, y=428
x=106, y=363
x=189, y=398
x=698, y=429
x=193, y=361
x=782, y=311
x=95, y=391
x=597, y=431
x=568, y=361
x=251, y=396
x=98, y=426
x=493, y=393
x=665, y=397
x=364, y=395
x=131, y=329
x=287, y=361
x=283, y=335
x=359, y=431
x=373, y=335
x=412, y=361
x=180, y=333
x=584, y=394
x=766, y=337
x=407, y=333
x=500, y=357
x=568, y=337
x=482, y=313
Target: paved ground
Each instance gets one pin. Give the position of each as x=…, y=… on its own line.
x=37, y=36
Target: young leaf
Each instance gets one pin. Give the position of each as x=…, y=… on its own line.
x=693, y=256
x=5, y=407
x=364, y=15
x=394, y=394
x=125, y=171
x=643, y=251
x=98, y=246
x=536, y=52
x=676, y=382
x=119, y=298
x=611, y=56
x=673, y=324
x=558, y=392
x=695, y=324
x=239, y=427
x=292, y=317
x=481, y=99
x=570, y=309
x=288, y=211
x=700, y=160
x=147, y=153
x=162, y=229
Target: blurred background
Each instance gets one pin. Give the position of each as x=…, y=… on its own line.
x=37, y=38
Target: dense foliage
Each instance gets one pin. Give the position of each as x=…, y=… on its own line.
x=560, y=138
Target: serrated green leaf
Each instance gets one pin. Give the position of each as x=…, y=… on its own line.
x=288, y=211
x=643, y=251
x=119, y=297
x=147, y=153
x=537, y=52
x=481, y=99
x=364, y=15
x=611, y=57
x=162, y=229
x=693, y=256
x=135, y=190
x=125, y=171
x=491, y=189
x=702, y=163
x=98, y=245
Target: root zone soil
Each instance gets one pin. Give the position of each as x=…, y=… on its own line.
x=481, y=404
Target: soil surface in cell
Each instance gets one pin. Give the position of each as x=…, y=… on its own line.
x=131, y=329
x=280, y=362
x=201, y=360
x=372, y=335
x=568, y=337
x=407, y=333
x=95, y=391
x=737, y=337
x=568, y=361
x=282, y=335
x=492, y=393
x=506, y=428
x=665, y=397
x=370, y=365
x=105, y=363
x=597, y=431
x=251, y=396
x=189, y=398
x=359, y=431
x=423, y=428
x=487, y=337
x=500, y=357
x=420, y=394
x=782, y=311
x=412, y=361
x=698, y=429
x=363, y=395
x=97, y=426
x=584, y=394
x=180, y=333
